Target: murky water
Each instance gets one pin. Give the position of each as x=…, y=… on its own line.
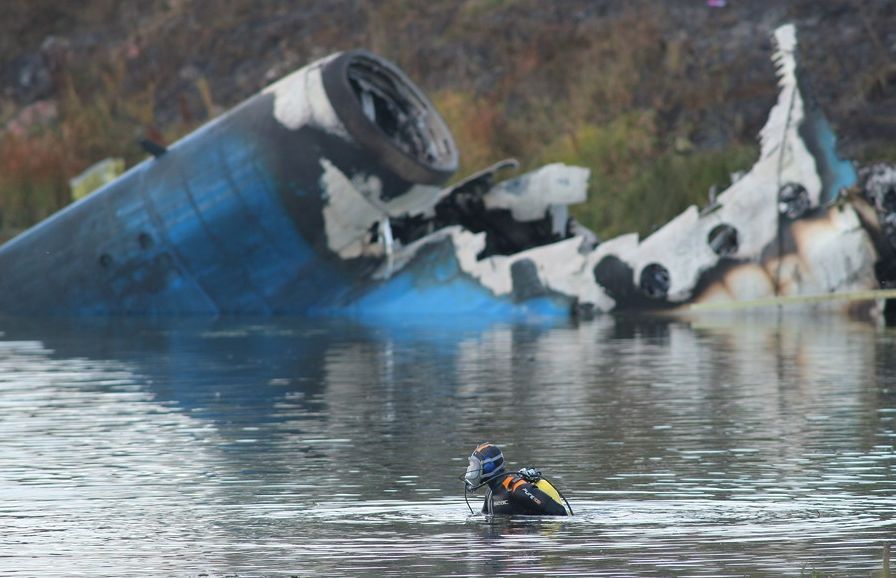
x=244, y=447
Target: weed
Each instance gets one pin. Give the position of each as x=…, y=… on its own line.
x=612, y=91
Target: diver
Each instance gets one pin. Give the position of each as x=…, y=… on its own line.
x=525, y=492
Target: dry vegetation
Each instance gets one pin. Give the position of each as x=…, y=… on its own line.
x=660, y=100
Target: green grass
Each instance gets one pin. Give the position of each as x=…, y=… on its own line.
x=96, y=117
x=637, y=184
x=878, y=153
x=661, y=189
x=611, y=93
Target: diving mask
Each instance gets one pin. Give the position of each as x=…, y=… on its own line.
x=486, y=462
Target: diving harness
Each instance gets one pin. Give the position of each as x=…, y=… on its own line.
x=534, y=477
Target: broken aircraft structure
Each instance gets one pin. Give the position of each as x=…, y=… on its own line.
x=323, y=194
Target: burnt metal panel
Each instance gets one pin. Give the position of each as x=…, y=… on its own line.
x=229, y=219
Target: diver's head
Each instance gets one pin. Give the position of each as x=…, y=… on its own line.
x=486, y=463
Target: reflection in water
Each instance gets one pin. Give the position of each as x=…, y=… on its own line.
x=717, y=447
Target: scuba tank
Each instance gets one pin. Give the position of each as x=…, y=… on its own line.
x=549, y=489
x=536, y=478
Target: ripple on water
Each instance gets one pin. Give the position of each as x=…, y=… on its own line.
x=257, y=449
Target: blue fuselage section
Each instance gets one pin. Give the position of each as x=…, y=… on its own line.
x=229, y=221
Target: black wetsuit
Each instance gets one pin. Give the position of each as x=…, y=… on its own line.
x=510, y=494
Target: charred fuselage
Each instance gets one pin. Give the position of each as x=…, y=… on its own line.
x=323, y=194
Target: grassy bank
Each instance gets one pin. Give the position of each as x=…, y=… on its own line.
x=94, y=115
x=638, y=180
x=661, y=102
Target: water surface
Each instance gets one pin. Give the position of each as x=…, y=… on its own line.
x=721, y=447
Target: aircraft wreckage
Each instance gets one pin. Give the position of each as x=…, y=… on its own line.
x=323, y=194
